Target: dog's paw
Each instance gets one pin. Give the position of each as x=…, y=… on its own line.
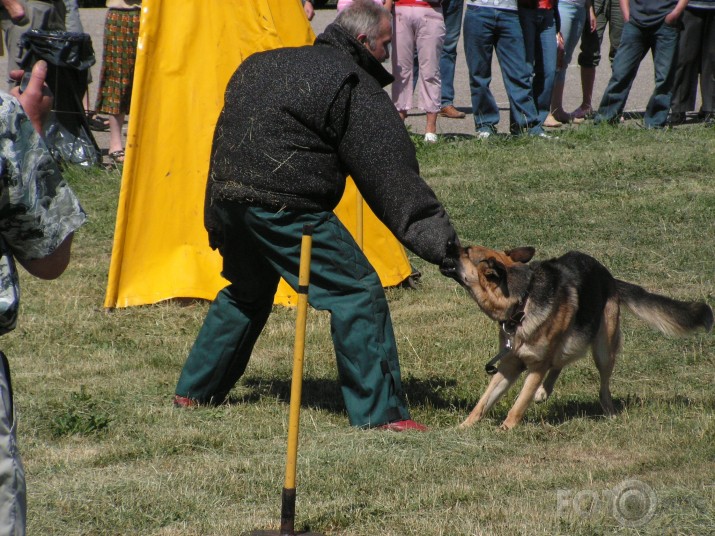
x=541, y=395
x=468, y=423
x=506, y=426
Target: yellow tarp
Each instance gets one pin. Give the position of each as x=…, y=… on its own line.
x=186, y=54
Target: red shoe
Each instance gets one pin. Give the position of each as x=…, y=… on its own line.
x=184, y=402
x=403, y=426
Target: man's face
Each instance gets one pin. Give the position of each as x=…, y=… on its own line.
x=380, y=47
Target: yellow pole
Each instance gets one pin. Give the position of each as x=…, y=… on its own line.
x=288, y=506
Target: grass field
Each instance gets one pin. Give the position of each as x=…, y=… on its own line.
x=106, y=454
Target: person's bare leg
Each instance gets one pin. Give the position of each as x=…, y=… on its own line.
x=588, y=78
x=558, y=114
x=431, y=123
x=116, y=143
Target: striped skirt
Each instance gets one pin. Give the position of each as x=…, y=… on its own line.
x=121, y=31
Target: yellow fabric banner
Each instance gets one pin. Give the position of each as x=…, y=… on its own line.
x=186, y=55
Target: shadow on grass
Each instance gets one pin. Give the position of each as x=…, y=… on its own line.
x=321, y=393
x=439, y=394
x=324, y=393
x=558, y=412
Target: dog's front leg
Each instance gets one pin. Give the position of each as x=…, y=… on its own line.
x=509, y=370
x=544, y=392
x=531, y=385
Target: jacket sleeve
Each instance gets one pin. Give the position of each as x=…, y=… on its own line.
x=38, y=209
x=378, y=153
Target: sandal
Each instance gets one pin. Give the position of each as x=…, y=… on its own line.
x=117, y=156
x=580, y=114
x=96, y=122
x=552, y=122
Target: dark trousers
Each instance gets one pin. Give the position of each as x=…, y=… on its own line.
x=696, y=59
x=259, y=247
x=540, y=45
x=452, y=12
x=662, y=40
x=608, y=13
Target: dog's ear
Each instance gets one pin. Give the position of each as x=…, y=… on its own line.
x=518, y=279
x=521, y=254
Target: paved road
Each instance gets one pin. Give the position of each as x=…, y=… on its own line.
x=93, y=21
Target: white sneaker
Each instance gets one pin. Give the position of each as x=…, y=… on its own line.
x=483, y=135
x=431, y=137
x=545, y=136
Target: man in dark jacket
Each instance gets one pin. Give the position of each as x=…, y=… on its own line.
x=295, y=122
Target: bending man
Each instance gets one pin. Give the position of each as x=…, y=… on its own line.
x=295, y=122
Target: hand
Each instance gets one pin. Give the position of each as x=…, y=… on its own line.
x=36, y=100
x=672, y=18
x=592, y=19
x=559, y=51
x=309, y=10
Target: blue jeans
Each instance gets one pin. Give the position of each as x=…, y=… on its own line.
x=487, y=29
x=635, y=44
x=573, y=18
x=452, y=11
x=540, y=42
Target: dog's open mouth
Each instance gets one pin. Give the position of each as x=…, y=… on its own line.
x=449, y=268
x=450, y=263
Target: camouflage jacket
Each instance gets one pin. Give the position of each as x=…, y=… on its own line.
x=38, y=210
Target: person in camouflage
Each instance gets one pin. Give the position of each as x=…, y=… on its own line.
x=38, y=216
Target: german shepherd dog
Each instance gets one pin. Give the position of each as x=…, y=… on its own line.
x=551, y=312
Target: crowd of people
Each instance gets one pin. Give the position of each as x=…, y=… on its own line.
x=535, y=41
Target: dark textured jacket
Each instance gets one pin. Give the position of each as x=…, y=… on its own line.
x=296, y=121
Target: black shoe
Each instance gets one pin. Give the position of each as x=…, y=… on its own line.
x=96, y=122
x=677, y=118
x=707, y=117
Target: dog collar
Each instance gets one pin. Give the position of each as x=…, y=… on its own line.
x=509, y=327
x=516, y=316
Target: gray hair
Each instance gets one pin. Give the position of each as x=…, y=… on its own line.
x=363, y=17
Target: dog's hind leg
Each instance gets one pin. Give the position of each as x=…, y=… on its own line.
x=544, y=392
x=509, y=370
x=531, y=385
x=605, y=348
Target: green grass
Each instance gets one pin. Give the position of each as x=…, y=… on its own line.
x=106, y=454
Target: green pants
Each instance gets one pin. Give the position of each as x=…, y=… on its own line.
x=259, y=247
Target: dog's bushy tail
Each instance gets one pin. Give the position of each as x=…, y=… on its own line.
x=670, y=316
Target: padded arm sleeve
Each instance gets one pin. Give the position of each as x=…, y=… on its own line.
x=380, y=156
